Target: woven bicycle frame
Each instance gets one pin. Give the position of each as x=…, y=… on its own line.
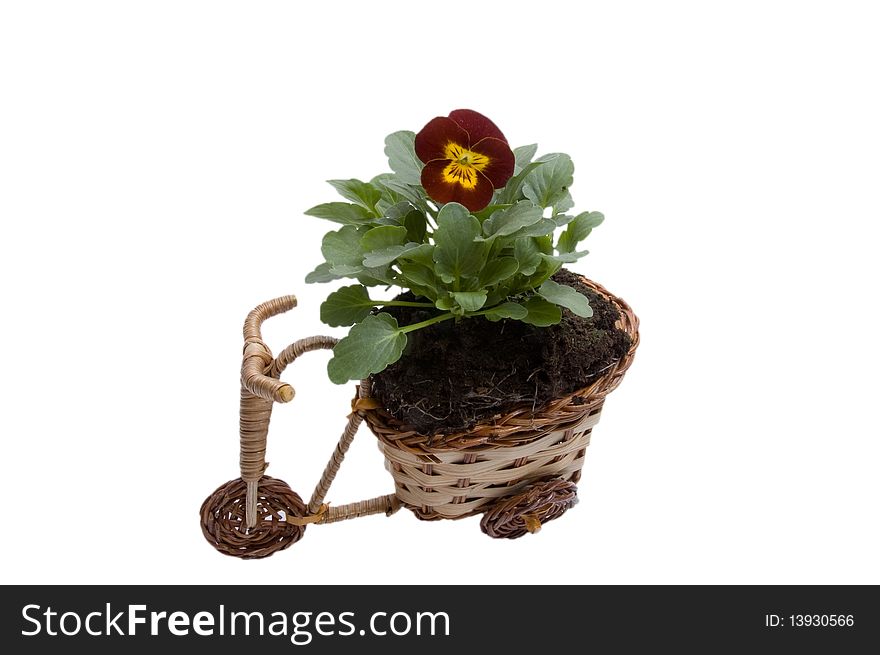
x=519, y=469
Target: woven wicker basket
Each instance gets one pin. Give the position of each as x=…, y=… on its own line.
x=520, y=468
x=465, y=472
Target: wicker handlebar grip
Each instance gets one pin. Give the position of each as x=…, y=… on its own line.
x=257, y=356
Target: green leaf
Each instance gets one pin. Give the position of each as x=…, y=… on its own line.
x=546, y=269
x=322, y=273
x=419, y=276
x=541, y=313
x=456, y=254
x=497, y=270
x=497, y=295
x=578, y=229
x=389, y=197
x=423, y=293
x=470, y=301
x=383, y=237
x=385, y=256
x=414, y=194
x=528, y=254
x=343, y=248
x=423, y=254
x=548, y=185
x=360, y=193
x=385, y=220
x=416, y=224
x=545, y=244
x=506, y=310
x=486, y=212
x=524, y=155
x=341, y=212
x=562, y=220
x=401, y=153
x=511, y=191
x=376, y=276
x=445, y=303
x=567, y=297
x=542, y=228
x=512, y=219
x=568, y=257
x=346, y=306
x=394, y=214
x=370, y=347
x=563, y=204
x=346, y=270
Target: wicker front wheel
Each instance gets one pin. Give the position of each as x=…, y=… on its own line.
x=224, y=523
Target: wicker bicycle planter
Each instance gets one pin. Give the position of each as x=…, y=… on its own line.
x=518, y=469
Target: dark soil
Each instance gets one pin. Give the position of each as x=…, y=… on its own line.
x=453, y=375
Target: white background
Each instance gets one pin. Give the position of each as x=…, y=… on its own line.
x=155, y=160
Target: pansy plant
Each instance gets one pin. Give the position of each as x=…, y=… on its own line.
x=469, y=226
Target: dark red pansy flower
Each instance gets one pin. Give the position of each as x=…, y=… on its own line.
x=466, y=158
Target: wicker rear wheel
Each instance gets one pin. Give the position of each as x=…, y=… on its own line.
x=527, y=511
x=224, y=526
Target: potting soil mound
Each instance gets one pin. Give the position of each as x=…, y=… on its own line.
x=455, y=374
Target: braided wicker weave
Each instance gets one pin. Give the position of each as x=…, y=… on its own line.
x=460, y=474
x=521, y=466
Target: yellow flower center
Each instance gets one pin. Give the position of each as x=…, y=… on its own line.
x=463, y=165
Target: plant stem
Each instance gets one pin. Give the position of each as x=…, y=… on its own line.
x=482, y=312
x=424, y=324
x=436, y=319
